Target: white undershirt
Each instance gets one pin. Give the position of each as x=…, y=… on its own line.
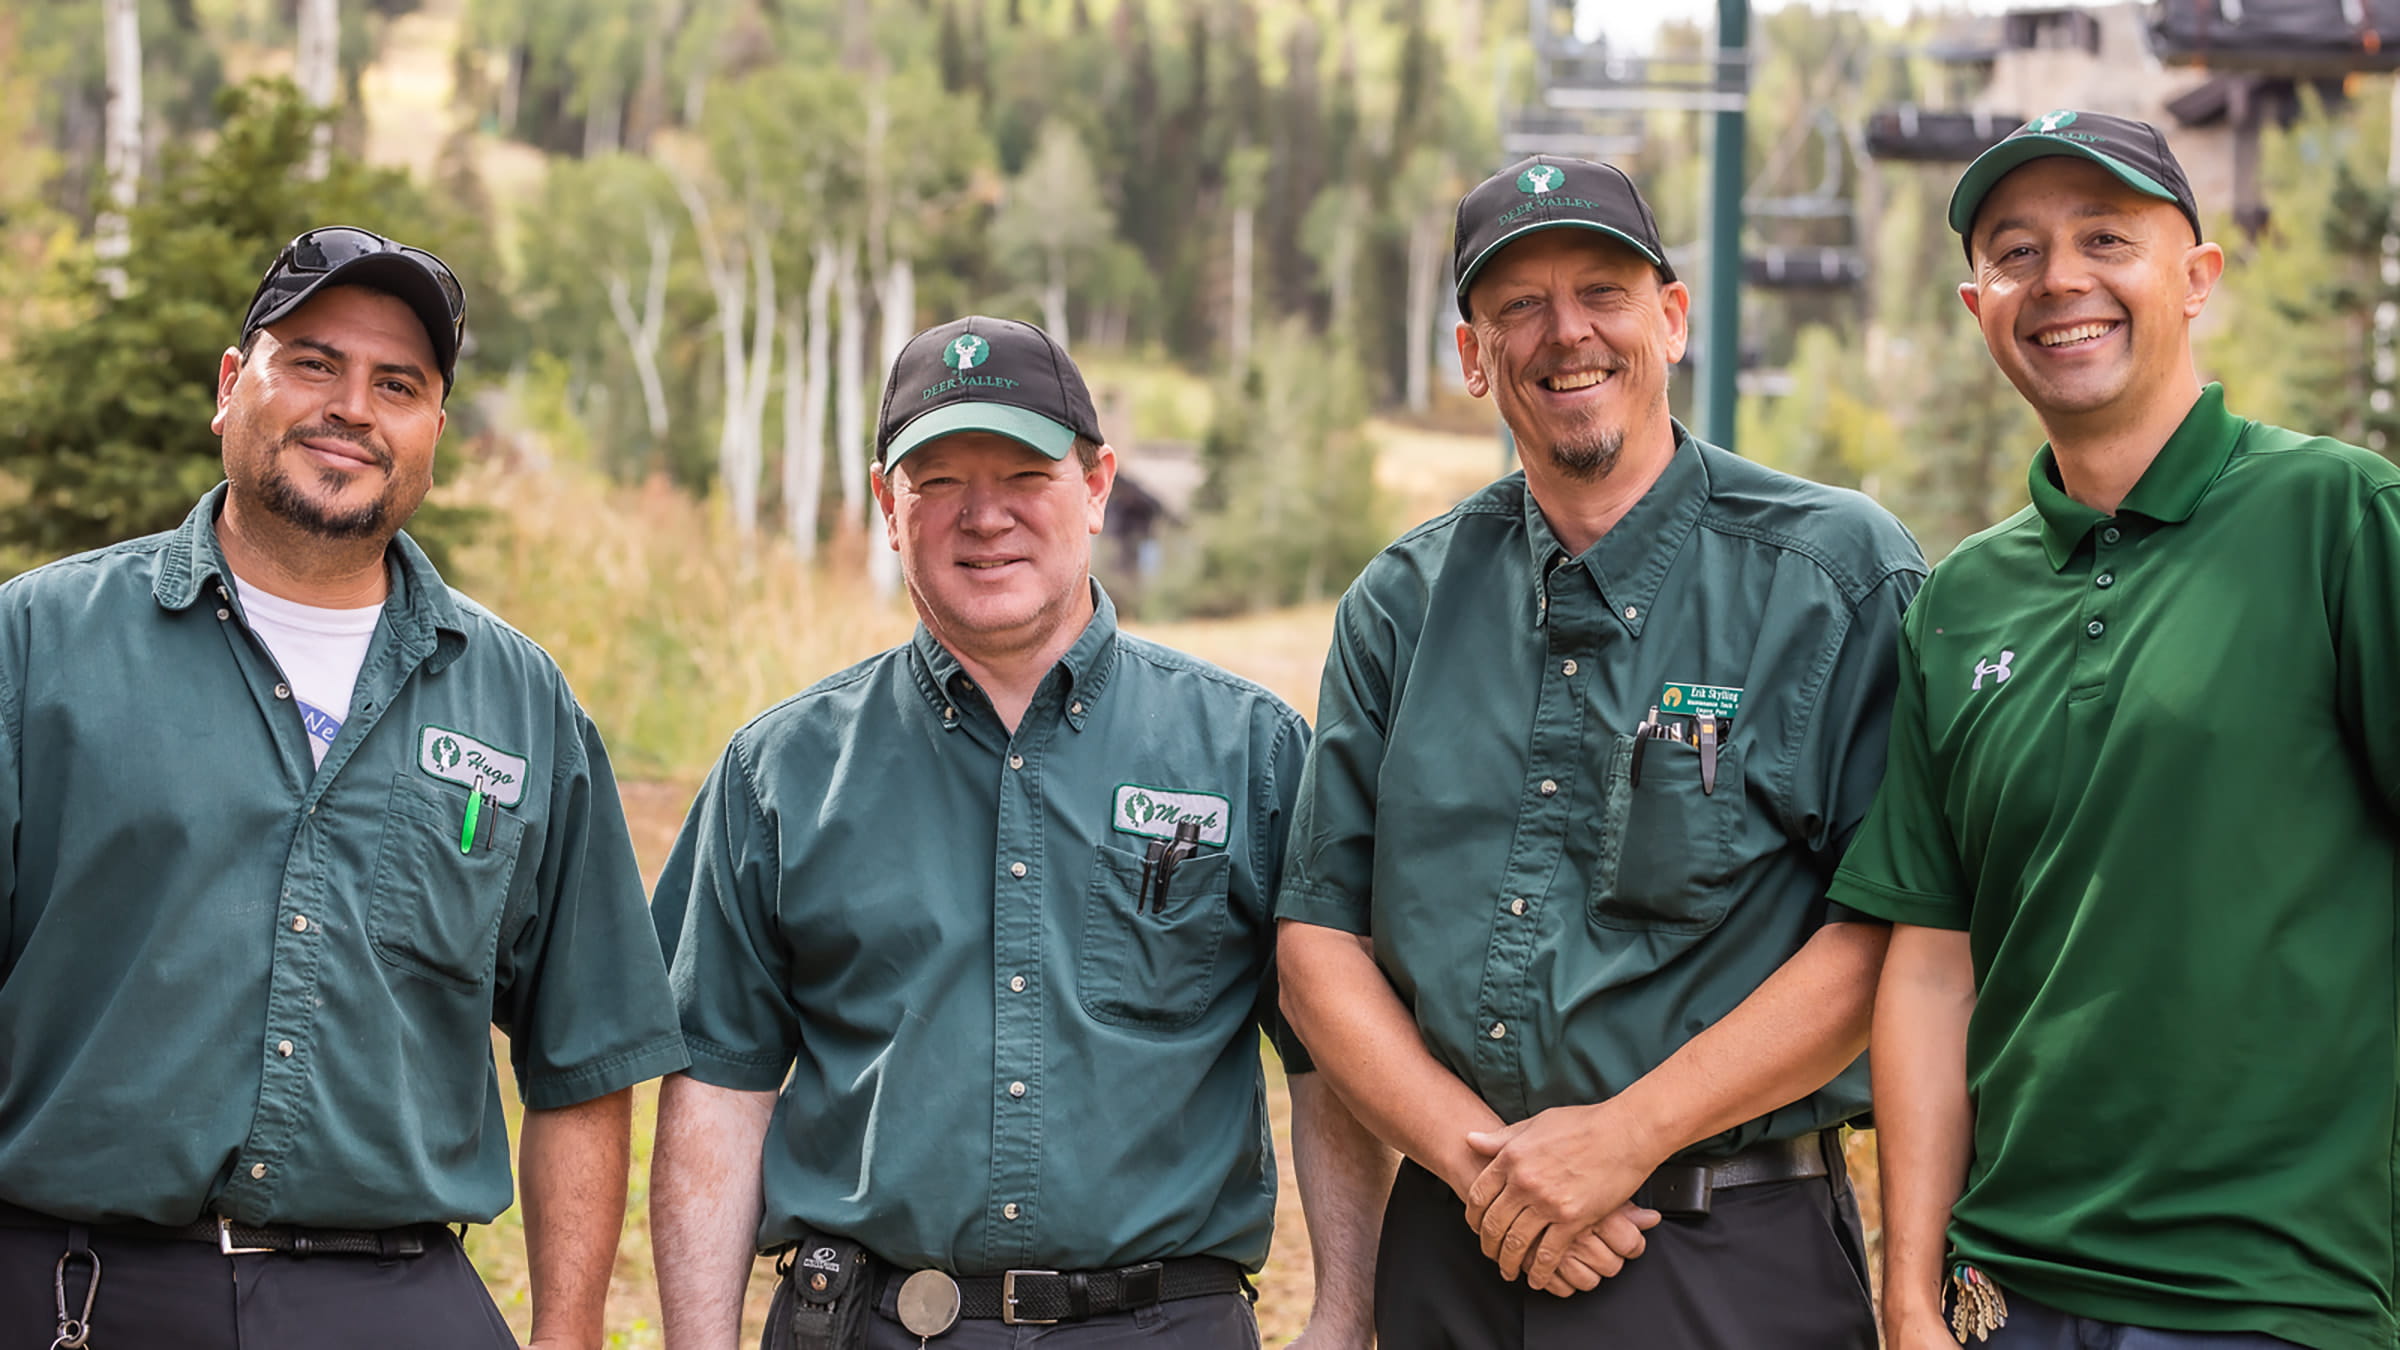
x=320, y=651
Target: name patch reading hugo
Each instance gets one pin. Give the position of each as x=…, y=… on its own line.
x=455, y=757
x=1156, y=812
x=1691, y=700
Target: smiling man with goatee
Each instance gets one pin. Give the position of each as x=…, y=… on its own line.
x=2140, y=838
x=1590, y=746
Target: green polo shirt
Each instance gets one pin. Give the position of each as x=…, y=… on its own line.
x=1557, y=928
x=2150, y=763
x=930, y=935
x=234, y=982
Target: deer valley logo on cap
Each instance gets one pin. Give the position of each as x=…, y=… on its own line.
x=455, y=757
x=1541, y=178
x=966, y=352
x=2052, y=121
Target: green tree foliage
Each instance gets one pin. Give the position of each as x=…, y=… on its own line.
x=104, y=412
x=1289, y=510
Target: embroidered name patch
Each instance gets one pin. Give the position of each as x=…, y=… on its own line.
x=455, y=757
x=1156, y=812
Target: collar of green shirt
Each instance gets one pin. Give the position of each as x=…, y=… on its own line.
x=1630, y=562
x=1085, y=668
x=2168, y=491
x=421, y=609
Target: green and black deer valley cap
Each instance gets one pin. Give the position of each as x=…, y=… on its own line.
x=2133, y=151
x=984, y=374
x=1549, y=192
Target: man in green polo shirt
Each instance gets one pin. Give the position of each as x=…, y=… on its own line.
x=2135, y=1042
x=286, y=827
x=1589, y=746
x=971, y=942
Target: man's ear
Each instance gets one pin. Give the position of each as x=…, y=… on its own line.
x=879, y=480
x=229, y=369
x=1972, y=298
x=1470, y=361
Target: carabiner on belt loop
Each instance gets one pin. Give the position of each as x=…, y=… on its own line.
x=74, y=1332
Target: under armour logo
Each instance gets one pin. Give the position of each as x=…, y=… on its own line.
x=1998, y=671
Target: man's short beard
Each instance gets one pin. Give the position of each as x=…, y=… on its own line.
x=1589, y=459
x=283, y=498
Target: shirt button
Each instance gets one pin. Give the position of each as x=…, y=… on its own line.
x=1016, y=1089
x=1499, y=1030
x=1009, y=1210
x=1549, y=787
x=949, y=714
x=2105, y=580
x=1016, y=869
x=1632, y=613
x=2095, y=628
x=283, y=691
x=1516, y=907
x=1016, y=761
x=284, y=1048
x=1076, y=707
x=299, y=923
x=258, y=1171
x=223, y=613
x=2110, y=535
x=1016, y=984
x=1568, y=668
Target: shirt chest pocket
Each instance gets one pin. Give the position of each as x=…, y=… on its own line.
x=437, y=910
x=1667, y=844
x=1153, y=964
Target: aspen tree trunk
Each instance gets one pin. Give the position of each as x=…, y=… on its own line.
x=899, y=325
x=827, y=260
x=644, y=330
x=121, y=33
x=803, y=452
x=1424, y=307
x=316, y=68
x=850, y=448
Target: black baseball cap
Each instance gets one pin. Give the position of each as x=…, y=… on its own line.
x=984, y=374
x=2133, y=151
x=1549, y=192
x=344, y=255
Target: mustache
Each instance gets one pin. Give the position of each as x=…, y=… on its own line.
x=329, y=432
x=1542, y=370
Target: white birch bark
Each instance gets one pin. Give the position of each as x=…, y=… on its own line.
x=826, y=261
x=850, y=452
x=1424, y=306
x=742, y=490
x=644, y=330
x=803, y=453
x=899, y=325
x=112, y=235
x=316, y=68
x=738, y=430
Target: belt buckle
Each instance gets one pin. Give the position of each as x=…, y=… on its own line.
x=225, y=1240
x=1008, y=1300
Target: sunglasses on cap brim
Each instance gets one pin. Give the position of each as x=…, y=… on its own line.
x=322, y=250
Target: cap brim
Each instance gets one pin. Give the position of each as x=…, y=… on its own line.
x=396, y=276
x=2002, y=159
x=1475, y=268
x=1029, y=429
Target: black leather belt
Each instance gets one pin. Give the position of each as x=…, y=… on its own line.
x=1682, y=1190
x=234, y=1239
x=1037, y=1297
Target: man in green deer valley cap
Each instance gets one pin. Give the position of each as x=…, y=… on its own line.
x=1589, y=746
x=287, y=826
x=2140, y=837
x=971, y=942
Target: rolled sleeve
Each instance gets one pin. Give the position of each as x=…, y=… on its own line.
x=716, y=918
x=1903, y=865
x=1330, y=864
x=587, y=1010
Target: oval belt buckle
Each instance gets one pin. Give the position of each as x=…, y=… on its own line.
x=928, y=1304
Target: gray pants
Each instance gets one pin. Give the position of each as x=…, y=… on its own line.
x=1209, y=1322
x=174, y=1295
x=2035, y=1326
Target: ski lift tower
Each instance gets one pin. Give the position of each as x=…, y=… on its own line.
x=1584, y=79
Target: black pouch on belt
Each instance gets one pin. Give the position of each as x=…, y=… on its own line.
x=828, y=1297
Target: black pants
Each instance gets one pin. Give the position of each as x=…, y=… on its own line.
x=170, y=1295
x=1776, y=1266
x=1209, y=1322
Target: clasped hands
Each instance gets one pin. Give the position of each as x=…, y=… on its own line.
x=1555, y=1201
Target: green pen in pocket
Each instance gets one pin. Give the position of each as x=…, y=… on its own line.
x=466, y=831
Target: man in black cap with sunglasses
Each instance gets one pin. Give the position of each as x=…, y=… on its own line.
x=289, y=827
x=2140, y=836
x=971, y=943
x=1589, y=747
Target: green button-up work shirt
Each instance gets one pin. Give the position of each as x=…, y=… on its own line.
x=232, y=981
x=931, y=936
x=1470, y=802
x=2150, y=762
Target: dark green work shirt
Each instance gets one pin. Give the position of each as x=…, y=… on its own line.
x=2150, y=762
x=997, y=1055
x=236, y=982
x=1557, y=928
